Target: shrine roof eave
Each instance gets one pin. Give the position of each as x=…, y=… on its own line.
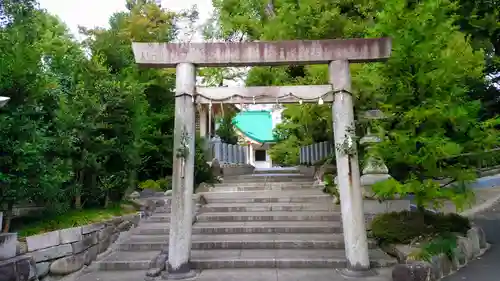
x=255, y=125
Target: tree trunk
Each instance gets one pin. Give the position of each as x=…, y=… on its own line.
x=78, y=195
x=8, y=217
x=132, y=182
x=106, y=200
x=78, y=200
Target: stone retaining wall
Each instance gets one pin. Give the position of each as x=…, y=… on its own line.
x=468, y=248
x=64, y=251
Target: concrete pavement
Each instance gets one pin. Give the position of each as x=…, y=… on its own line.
x=487, y=268
x=316, y=274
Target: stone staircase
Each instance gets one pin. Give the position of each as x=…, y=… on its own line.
x=272, y=219
x=264, y=220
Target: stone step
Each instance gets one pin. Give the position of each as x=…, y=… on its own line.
x=313, y=196
x=267, y=178
x=259, y=207
x=242, y=241
x=269, y=216
x=243, y=274
x=326, y=205
x=281, y=258
x=127, y=275
x=158, y=218
x=245, y=258
x=258, y=216
x=127, y=261
x=262, y=193
x=247, y=227
x=287, y=170
x=163, y=210
x=273, y=186
x=254, y=216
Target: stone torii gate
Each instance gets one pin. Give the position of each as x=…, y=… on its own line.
x=338, y=54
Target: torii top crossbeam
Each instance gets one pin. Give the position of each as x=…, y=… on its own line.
x=298, y=52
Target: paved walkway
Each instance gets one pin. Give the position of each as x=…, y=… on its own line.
x=255, y=274
x=486, y=268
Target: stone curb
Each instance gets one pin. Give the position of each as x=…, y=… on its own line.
x=468, y=248
x=481, y=207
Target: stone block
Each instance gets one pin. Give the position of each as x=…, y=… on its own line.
x=473, y=236
x=67, y=265
x=114, y=237
x=86, y=229
x=25, y=270
x=459, y=258
x=20, y=268
x=42, y=269
x=147, y=193
x=8, y=245
x=32, y=270
x=8, y=270
x=52, y=253
x=116, y=221
x=413, y=271
x=325, y=169
x=134, y=195
x=482, y=238
x=400, y=251
x=106, y=232
x=125, y=226
x=92, y=254
x=442, y=266
x=136, y=219
x=103, y=245
x=42, y=241
x=88, y=240
x=466, y=247
x=21, y=248
x=70, y=235
x=215, y=167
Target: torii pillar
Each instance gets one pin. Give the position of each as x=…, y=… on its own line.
x=338, y=54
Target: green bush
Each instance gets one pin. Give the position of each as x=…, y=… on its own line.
x=158, y=185
x=165, y=184
x=202, y=171
x=406, y=226
x=150, y=184
x=331, y=188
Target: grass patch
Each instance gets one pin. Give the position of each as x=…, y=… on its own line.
x=27, y=226
x=443, y=244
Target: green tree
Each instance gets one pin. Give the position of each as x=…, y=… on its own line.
x=424, y=90
x=226, y=130
x=480, y=20
x=31, y=42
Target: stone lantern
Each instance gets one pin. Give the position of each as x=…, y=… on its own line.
x=374, y=168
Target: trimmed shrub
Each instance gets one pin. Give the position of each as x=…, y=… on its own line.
x=406, y=226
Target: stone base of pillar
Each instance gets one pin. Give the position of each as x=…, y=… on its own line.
x=371, y=179
x=185, y=272
x=357, y=273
